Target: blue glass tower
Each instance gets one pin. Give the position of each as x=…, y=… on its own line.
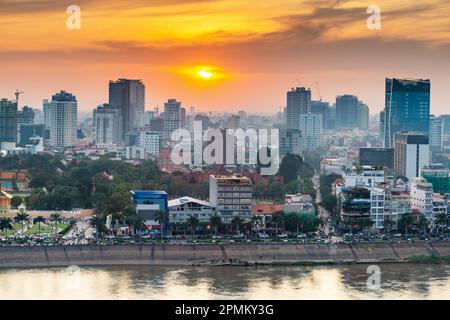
x=407, y=108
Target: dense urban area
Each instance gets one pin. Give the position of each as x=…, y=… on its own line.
x=344, y=175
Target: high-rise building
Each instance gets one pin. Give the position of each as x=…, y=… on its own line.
x=129, y=96
x=298, y=103
x=329, y=121
x=436, y=134
x=407, y=108
x=172, y=116
x=8, y=121
x=346, y=112
x=63, y=120
x=311, y=131
x=411, y=154
x=46, y=111
x=232, y=197
x=363, y=116
x=108, y=125
x=446, y=119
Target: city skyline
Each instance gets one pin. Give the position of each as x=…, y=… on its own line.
x=193, y=52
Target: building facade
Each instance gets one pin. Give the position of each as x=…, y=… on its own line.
x=129, y=96
x=172, y=116
x=298, y=103
x=63, y=120
x=311, y=131
x=151, y=141
x=8, y=121
x=411, y=154
x=407, y=108
x=232, y=197
x=436, y=134
x=108, y=125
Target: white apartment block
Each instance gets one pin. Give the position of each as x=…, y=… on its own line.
x=107, y=125
x=367, y=177
x=422, y=198
x=151, y=141
x=63, y=120
x=311, y=131
x=232, y=197
x=172, y=116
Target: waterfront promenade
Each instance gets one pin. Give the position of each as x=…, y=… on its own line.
x=221, y=254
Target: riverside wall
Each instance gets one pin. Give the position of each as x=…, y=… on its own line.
x=216, y=254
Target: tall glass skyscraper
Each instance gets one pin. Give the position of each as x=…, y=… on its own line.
x=8, y=121
x=407, y=108
x=129, y=96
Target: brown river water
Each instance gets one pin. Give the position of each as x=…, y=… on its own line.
x=398, y=281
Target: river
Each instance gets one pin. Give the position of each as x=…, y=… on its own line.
x=398, y=281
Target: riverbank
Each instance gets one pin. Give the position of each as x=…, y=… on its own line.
x=227, y=254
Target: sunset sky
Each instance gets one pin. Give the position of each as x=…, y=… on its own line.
x=254, y=50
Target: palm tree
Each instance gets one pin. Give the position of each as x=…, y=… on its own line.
x=256, y=220
x=441, y=221
x=161, y=217
x=423, y=223
x=237, y=223
x=39, y=220
x=56, y=218
x=98, y=224
x=192, y=223
x=6, y=224
x=278, y=221
x=22, y=218
x=406, y=221
x=215, y=221
x=387, y=224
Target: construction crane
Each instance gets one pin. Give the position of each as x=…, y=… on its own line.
x=318, y=90
x=17, y=93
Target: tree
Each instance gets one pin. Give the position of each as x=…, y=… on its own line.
x=16, y=202
x=98, y=224
x=289, y=167
x=237, y=222
x=39, y=220
x=215, y=221
x=329, y=202
x=56, y=218
x=278, y=221
x=441, y=221
x=388, y=223
x=405, y=222
x=256, y=221
x=22, y=218
x=161, y=217
x=293, y=219
x=192, y=224
x=423, y=224
x=6, y=224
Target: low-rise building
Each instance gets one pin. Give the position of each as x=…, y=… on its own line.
x=149, y=207
x=181, y=209
x=298, y=203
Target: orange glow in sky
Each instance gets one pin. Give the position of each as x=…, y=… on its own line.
x=223, y=54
